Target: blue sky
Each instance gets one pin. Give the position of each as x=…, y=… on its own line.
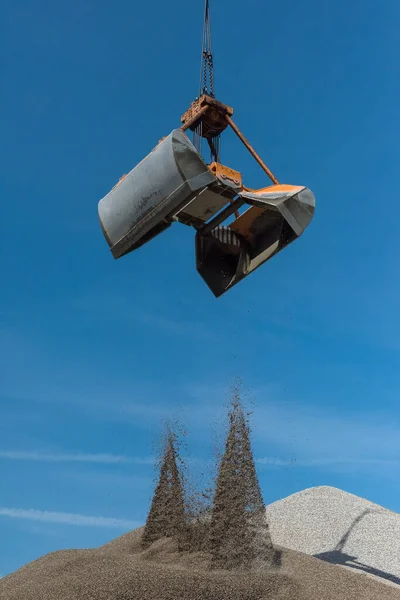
x=95, y=353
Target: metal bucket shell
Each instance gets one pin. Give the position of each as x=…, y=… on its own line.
x=144, y=202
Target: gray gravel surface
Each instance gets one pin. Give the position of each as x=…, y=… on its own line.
x=340, y=528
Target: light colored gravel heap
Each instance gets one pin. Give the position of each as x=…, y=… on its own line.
x=340, y=528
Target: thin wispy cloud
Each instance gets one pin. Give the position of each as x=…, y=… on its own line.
x=121, y=459
x=326, y=462
x=75, y=457
x=62, y=518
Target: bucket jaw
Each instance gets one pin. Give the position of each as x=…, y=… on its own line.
x=227, y=254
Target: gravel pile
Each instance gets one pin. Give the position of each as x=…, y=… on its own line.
x=340, y=528
x=121, y=570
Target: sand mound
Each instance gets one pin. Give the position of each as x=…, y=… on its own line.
x=339, y=528
x=121, y=570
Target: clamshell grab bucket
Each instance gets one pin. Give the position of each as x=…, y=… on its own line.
x=278, y=215
x=144, y=202
x=174, y=184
